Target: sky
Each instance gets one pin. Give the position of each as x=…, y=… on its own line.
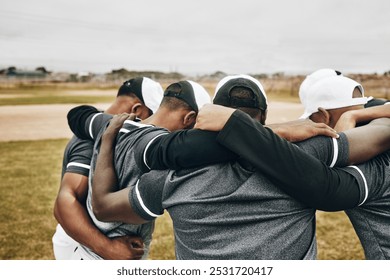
x=196, y=36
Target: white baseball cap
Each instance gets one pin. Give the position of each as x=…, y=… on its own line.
x=332, y=93
x=147, y=90
x=314, y=77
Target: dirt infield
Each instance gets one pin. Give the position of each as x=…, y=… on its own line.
x=35, y=122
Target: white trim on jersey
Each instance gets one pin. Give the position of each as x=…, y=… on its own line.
x=124, y=130
x=82, y=165
x=335, y=152
x=150, y=213
x=147, y=147
x=365, y=183
x=137, y=124
x=90, y=124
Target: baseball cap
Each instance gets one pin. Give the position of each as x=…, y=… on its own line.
x=147, y=90
x=190, y=92
x=373, y=102
x=222, y=92
x=314, y=77
x=332, y=93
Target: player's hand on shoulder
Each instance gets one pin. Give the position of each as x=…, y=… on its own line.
x=213, y=117
x=299, y=130
x=116, y=123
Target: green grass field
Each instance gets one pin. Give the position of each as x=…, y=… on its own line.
x=29, y=181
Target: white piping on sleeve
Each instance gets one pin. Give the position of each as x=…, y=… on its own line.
x=150, y=213
x=90, y=124
x=335, y=152
x=138, y=124
x=147, y=147
x=86, y=166
x=365, y=183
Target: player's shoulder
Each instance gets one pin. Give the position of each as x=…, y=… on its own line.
x=76, y=143
x=139, y=127
x=136, y=130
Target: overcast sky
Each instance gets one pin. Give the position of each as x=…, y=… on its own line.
x=196, y=36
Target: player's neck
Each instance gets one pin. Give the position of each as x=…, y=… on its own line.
x=165, y=118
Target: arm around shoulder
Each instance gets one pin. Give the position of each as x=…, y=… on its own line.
x=368, y=141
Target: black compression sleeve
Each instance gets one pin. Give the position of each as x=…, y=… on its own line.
x=299, y=174
x=185, y=149
x=77, y=118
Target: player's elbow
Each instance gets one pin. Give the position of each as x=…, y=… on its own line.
x=60, y=206
x=56, y=211
x=326, y=206
x=100, y=211
x=334, y=201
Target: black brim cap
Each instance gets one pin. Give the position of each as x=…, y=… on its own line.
x=132, y=86
x=147, y=90
x=225, y=86
x=191, y=93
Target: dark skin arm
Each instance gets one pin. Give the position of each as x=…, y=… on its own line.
x=109, y=204
x=214, y=117
x=71, y=213
x=299, y=130
x=112, y=205
x=370, y=140
x=328, y=189
x=349, y=119
x=364, y=142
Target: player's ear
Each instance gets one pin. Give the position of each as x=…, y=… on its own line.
x=136, y=109
x=189, y=119
x=322, y=116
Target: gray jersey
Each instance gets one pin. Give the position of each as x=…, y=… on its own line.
x=77, y=157
x=372, y=219
x=229, y=211
x=96, y=125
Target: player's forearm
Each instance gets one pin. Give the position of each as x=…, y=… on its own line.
x=369, y=114
x=368, y=141
x=104, y=181
x=299, y=130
